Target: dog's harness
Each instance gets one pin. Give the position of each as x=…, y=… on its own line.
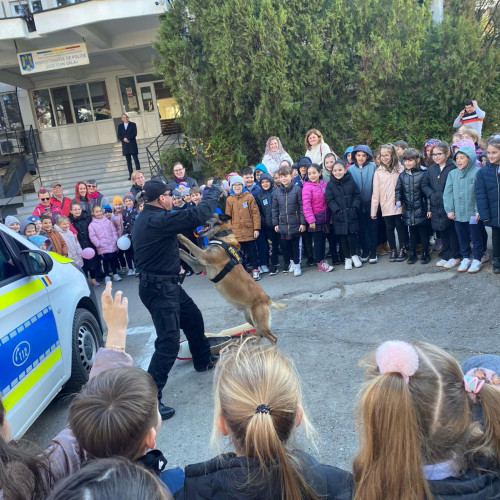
x=232, y=252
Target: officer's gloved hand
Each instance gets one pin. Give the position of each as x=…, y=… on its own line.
x=217, y=184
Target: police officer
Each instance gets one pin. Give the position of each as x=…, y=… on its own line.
x=156, y=253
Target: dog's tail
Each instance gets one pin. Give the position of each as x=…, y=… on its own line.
x=277, y=305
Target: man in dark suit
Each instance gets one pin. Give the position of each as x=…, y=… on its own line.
x=127, y=132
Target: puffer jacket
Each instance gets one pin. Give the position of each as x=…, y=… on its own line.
x=287, y=209
x=117, y=220
x=459, y=194
x=409, y=193
x=313, y=202
x=225, y=477
x=433, y=188
x=488, y=194
x=245, y=216
x=265, y=201
x=81, y=224
x=363, y=175
x=129, y=217
x=103, y=235
x=384, y=185
x=74, y=248
x=344, y=199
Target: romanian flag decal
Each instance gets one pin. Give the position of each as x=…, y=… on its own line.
x=46, y=281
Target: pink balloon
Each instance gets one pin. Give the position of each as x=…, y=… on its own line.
x=88, y=253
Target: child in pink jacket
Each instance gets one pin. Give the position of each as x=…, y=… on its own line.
x=103, y=235
x=317, y=214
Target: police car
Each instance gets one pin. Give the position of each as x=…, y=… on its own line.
x=50, y=328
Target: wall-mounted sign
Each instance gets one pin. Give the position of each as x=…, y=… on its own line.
x=53, y=59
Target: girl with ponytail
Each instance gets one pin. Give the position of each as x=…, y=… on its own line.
x=419, y=439
x=258, y=404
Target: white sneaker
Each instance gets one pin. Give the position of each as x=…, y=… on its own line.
x=256, y=274
x=264, y=269
x=441, y=263
x=325, y=267
x=485, y=257
x=348, y=264
x=107, y=279
x=116, y=277
x=290, y=268
x=131, y=272
x=297, y=271
x=356, y=261
x=464, y=265
x=475, y=267
x=450, y=264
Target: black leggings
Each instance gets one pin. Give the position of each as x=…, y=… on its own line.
x=348, y=244
x=249, y=249
x=395, y=222
x=319, y=239
x=291, y=251
x=421, y=231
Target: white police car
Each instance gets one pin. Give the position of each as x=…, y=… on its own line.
x=50, y=328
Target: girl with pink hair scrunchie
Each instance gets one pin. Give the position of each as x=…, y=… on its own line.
x=418, y=437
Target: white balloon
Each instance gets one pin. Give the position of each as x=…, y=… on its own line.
x=123, y=243
x=184, y=352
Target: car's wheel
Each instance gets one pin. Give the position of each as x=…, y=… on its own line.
x=86, y=340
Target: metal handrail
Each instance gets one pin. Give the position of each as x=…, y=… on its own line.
x=154, y=150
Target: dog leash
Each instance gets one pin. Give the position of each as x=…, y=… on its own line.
x=234, y=259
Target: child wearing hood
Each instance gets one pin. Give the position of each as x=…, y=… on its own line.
x=268, y=240
x=362, y=171
x=13, y=223
x=348, y=159
x=28, y=229
x=42, y=242
x=260, y=169
x=459, y=199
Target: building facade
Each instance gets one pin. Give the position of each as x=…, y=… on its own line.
x=71, y=68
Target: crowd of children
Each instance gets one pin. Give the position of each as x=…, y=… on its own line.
x=428, y=429
x=398, y=201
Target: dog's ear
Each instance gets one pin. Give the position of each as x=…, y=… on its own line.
x=224, y=218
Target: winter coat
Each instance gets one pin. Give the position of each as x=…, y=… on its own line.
x=433, y=188
x=103, y=235
x=299, y=181
x=313, y=202
x=81, y=224
x=363, y=176
x=101, y=200
x=273, y=165
x=317, y=153
x=62, y=206
x=225, y=477
x=129, y=217
x=384, y=185
x=40, y=210
x=58, y=244
x=135, y=190
x=85, y=206
x=265, y=201
x=488, y=194
x=74, y=248
x=459, y=194
x=130, y=147
x=287, y=209
x=190, y=181
x=245, y=216
x=471, y=485
x=343, y=199
x=117, y=220
x=409, y=193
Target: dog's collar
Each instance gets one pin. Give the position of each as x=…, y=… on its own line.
x=234, y=258
x=226, y=232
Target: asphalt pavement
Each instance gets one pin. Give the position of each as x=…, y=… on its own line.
x=331, y=322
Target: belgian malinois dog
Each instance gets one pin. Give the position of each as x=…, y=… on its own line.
x=222, y=263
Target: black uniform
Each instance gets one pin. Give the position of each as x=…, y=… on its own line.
x=156, y=254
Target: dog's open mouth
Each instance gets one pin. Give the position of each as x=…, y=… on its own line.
x=204, y=229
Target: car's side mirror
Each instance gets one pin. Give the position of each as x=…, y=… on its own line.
x=36, y=262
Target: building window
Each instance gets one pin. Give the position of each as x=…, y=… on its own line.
x=129, y=94
x=64, y=3
x=62, y=105
x=79, y=103
x=100, y=102
x=43, y=108
x=10, y=114
x=33, y=6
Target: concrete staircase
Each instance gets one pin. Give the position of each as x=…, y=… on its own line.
x=104, y=163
